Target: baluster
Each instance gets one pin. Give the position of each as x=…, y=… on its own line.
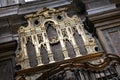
x=104, y=71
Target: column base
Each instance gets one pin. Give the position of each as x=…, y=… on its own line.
x=67, y=58
x=78, y=55
x=51, y=61
x=40, y=64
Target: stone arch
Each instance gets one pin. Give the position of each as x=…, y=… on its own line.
x=49, y=20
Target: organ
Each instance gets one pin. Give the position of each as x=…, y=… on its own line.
x=47, y=28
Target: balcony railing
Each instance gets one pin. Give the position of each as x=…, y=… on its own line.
x=76, y=69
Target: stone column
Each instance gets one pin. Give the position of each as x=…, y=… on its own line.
x=81, y=32
x=72, y=40
x=64, y=50
x=24, y=50
x=50, y=54
x=36, y=44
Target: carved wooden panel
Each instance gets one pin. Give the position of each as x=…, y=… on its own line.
x=112, y=36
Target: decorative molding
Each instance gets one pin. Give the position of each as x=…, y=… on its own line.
x=105, y=18
x=109, y=59
x=10, y=10
x=47, y=67
x=9, y=46
x=104, y=21
x=101, y=9
x=33, y=7
x=30, y=7
x=81, y=64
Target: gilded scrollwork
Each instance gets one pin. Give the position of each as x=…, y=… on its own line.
x=65, y=28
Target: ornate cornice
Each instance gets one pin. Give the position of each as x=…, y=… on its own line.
x=47, y=67
x=106, y=17
x=9, y=46
x=30, y=7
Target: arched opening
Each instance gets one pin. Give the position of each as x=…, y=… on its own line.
x=44, y=55
x=70, y=49
x=51, y=30
x=31, y=53
x=80, y=43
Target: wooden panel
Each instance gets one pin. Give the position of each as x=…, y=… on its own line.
x=112, y=36
x=6, y=72
x=115, y=36
x=91, y=4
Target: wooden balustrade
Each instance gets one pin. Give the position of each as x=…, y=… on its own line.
x=80, y=68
